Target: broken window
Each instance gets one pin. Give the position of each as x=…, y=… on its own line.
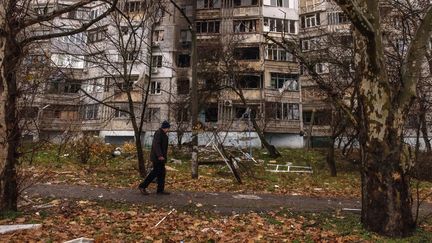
x=282, y=111
x=90, y=112
x=155, y=87
x=96, y=35
x=291, y=111
x=135, y=6
x=284, y=81
x=247, y=53
x=158, y=35
x=182, y=115
x=249, y=82
x=335, y=18
x=277, y=53
x=280, y=25
x=211, y=113
x=273, y=110
x=183, y=60
x=238, y=3
x=29, y=112
x=107, y=83
x=208, y=26
x=182, y=86
x=245, y=112
x=211, y=84
x=227, y=111
x=121, y=111
x=72, y=87
x=185, y=36
x=157, y=61
x=209, y=3
x=244, y=26
x=152, y=115
x=132, y=55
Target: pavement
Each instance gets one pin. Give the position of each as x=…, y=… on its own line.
x=219, y=202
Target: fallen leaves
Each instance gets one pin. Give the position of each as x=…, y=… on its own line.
x=119, y=222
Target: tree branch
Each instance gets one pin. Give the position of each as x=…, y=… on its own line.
x=411, y=69
x=54, y=14
x=76, y=31
x=357, y=17
x=332, y=93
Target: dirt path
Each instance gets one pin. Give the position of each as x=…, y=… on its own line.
x=220, y=202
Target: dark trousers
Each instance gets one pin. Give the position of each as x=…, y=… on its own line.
x=158, y=172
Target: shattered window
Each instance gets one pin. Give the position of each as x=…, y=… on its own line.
x=249, y=82
x=152, y=115
x=211, y=113
x=182, y=115
x=284, y=81
x=157, y=61
x=183, y=60
x=247, y=53
x=208, y=26
x=182, y=86
x=244, y=26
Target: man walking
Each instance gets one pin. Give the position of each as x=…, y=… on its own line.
x=158, y=156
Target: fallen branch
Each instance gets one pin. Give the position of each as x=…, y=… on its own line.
x=172, y=210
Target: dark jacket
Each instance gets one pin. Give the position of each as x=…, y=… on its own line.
x=159, y=146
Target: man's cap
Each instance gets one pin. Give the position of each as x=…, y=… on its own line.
x=165, y=124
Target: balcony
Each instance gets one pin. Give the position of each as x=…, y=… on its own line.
x=313, y=8
x=283, y=126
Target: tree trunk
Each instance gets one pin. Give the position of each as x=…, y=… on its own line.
x=386, y=200
x=273, y=152
x=9, y=130
x=140, y=156
x=424, y=126
x=194, y=101
x=331, y=159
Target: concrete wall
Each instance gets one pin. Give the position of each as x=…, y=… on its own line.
x=285, y=140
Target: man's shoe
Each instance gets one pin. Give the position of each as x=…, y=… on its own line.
x=143, y=191
x=163, y=193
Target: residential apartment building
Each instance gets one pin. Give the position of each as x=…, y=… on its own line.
x=286, y=102
x=83, y=66
x=326, y=41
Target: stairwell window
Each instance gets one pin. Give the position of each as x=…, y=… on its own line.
x=152, y=115
x=157, y=61
x=155, y=87
x=158, y=36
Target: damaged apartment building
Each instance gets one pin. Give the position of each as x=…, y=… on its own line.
x=326, y=41
x=83, y=72
x=239, y=67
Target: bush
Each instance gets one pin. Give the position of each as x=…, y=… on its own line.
x=90, y=151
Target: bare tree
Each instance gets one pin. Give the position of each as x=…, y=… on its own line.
x=17, y=19
x=194, y=86
x=123, y=55
x=383, y=105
